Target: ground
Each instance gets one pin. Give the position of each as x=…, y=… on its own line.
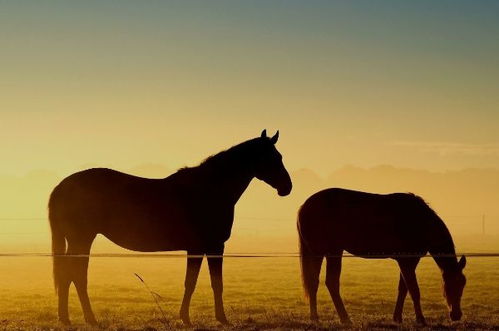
x=260, y=294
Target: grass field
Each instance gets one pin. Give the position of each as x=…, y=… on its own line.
x=260, y=293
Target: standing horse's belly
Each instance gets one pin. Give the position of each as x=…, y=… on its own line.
x=149, y=236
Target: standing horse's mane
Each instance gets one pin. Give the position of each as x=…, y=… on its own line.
x=238, y=151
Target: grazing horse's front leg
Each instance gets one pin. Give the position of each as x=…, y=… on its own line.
x=194, y=260
x=215, y=262
x=408, y=270
x=399, y=307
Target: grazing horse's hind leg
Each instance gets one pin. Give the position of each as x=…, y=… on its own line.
x=333, y=271
x=194, y=261
x=78, y=269
x=311, y=265
x=63, y=283
x=399, y=306
x=408, y=271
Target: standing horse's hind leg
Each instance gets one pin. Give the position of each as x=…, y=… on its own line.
x=215, y=262
x=191, y=277
x=408, y=270
x=79, y=274
x=333, y=271
x=399, y=307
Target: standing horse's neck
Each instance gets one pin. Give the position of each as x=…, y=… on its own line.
x=229, y=174
x=442, y=247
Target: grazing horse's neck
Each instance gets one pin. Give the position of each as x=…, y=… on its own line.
x=442, y=247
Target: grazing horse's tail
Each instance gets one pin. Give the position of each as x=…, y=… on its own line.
x=310, y=261
x=58, y=246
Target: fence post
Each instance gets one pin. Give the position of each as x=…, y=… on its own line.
x=483, y=225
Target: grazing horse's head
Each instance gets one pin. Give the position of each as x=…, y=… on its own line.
x=269, y=166
x=454, y=282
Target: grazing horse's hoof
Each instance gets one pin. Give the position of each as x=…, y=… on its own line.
x=314, y=318
x=65, y=321
x=92, y=322
x=346, y=321
x=421, y=321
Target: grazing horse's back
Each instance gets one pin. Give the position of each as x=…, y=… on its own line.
x=365, y=223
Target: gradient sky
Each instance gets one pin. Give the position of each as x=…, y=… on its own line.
x=121, y=83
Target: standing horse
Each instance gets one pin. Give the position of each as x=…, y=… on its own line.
x=400, y=226
x=191, y=210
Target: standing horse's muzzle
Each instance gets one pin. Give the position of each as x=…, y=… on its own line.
x=285, y=191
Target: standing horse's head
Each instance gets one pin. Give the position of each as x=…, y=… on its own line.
x=454, y=282
x=269, y=166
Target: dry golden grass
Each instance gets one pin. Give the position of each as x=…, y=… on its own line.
x=260, y=293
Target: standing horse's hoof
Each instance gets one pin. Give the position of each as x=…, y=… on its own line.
x=314, y=318
x=184, y=316
x=223, y=320
x=65, y=321
x=186, y=321
x=397, y=318
x=92, y=322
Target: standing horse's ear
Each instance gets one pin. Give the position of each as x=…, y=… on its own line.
x=264, y=134
x=275, y=137
x=462, y=262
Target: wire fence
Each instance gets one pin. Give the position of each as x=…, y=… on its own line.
x=473, y=254
x=249, y=255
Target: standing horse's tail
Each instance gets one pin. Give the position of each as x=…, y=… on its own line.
x=310, y=262
x=58, y=246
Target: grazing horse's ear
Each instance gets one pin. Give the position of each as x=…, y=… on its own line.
x=264, y=134
x=275, y=137
x=462, y=262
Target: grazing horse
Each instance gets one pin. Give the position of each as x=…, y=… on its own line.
x=192, y=210
x=400, y=226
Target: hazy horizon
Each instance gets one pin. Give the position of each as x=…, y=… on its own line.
x=463, y=198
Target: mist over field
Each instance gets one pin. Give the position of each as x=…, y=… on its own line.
x=467, y=200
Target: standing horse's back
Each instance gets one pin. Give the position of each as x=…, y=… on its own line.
x=134, y=212
x=83, y=198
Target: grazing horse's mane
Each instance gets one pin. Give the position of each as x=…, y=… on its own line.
x=432, y=213
x=446, y=244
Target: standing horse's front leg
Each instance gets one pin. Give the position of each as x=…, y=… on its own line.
x=215, y=262
x=194, y=260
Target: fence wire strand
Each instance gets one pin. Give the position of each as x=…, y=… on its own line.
x=249, y=255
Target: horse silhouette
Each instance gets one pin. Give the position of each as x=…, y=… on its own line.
x=400, y=226
x=192, y=210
